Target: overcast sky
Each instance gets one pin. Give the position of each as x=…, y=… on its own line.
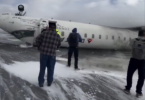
x=115, y=13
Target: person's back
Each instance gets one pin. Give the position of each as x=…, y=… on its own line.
x=50, y=42
x=137, y=61
x=73, y=40
x=138, y=49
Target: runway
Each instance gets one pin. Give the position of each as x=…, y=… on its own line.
x=103, y=77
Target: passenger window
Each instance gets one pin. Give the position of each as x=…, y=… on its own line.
x=113, y=37
x=85, y=35
x=62, y=33
x=93, y=36
x=99, y=36
x=124, y=38
x=44, y=21
x=106, y=36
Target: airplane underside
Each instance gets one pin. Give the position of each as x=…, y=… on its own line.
x=93, y=36
x=64, y=44
x=28, y=37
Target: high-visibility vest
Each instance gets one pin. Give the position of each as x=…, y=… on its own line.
x=58, y=32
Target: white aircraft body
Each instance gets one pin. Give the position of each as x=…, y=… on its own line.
x=27, y=29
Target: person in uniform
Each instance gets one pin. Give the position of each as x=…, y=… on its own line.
x=137, y=61
x=58, y=32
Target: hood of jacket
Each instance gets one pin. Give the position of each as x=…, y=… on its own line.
x=74, y=30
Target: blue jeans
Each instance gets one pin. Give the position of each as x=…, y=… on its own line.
x=49, y=62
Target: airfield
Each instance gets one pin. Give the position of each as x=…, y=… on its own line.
x=103, y=74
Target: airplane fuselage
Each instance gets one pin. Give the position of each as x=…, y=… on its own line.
x=94, y=36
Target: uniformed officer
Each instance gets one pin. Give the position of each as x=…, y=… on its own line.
x=58, y=32
x=137, y=61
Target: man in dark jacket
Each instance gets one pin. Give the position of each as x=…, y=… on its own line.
x=48, y=42
x=73, y=40
x=137, y=61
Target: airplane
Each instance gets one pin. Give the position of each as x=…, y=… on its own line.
x=94, y=36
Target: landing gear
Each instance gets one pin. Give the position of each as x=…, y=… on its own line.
x=21, y=9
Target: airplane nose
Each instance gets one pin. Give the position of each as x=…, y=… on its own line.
x=4, y=21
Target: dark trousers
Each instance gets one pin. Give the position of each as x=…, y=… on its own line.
x=72, y=50
x=135, y=64
x=49, y=62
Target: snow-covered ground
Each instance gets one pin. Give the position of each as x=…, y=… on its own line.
x=103, y=77
x=115, y=82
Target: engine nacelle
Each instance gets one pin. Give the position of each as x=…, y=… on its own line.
x=21, y=8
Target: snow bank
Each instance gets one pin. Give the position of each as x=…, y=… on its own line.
x=29, y=71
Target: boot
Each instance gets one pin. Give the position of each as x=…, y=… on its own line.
x=77, y=69
x=127, y=91
x=138, y=95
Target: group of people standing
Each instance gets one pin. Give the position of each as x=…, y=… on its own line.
x=49, y=41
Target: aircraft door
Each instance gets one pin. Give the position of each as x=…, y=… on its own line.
x=37, y=32
x=41, y=25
